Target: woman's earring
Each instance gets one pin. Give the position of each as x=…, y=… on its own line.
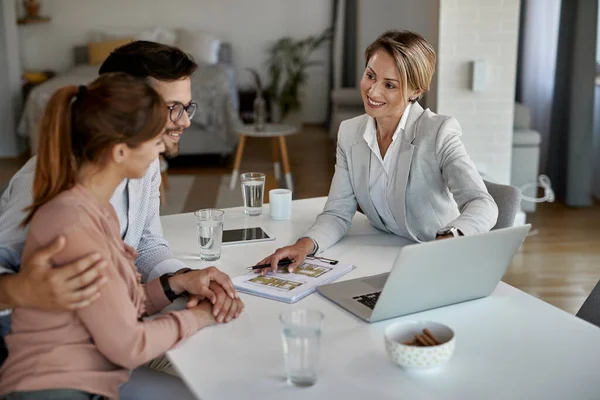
x=120, y=156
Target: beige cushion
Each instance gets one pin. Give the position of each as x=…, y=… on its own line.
x=201, y=45
x=158, y=35
x=98, y=51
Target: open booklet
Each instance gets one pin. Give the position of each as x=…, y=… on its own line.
x=290, y=287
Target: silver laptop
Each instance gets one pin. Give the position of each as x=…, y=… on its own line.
x=431, y=275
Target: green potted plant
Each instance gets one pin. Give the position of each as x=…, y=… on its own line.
x=288, y=62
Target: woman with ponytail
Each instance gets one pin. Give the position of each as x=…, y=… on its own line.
x=91, y=139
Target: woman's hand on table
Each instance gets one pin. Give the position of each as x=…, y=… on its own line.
x=224, y=308
x=203, y=313
x=296, y=252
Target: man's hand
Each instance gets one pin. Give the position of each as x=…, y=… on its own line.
x=197, y=282
x=296, y=252
x=224, y=309
x=39, y=285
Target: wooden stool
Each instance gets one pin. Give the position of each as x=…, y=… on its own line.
x=277, y=132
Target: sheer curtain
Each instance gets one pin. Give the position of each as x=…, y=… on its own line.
x=539, y=40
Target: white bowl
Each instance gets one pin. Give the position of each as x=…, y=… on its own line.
x=415, y=357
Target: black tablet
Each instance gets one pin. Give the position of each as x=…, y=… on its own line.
x=246, y=235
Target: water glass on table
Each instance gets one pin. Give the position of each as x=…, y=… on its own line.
x=209, y=223
x=301, y=337
x=253, y=190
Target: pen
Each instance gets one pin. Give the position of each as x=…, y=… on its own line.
x=282, y=263
x=323, y=259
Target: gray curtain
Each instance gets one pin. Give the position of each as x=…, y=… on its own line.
x=596, y=188
x=11, y=144
x=570, y=157
x=343, y=49
x=343, y=53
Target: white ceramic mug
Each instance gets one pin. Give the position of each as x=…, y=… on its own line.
x=280, y=203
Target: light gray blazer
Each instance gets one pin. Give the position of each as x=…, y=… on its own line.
x=435, y=184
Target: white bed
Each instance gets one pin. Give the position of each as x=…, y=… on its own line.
x=214, y=88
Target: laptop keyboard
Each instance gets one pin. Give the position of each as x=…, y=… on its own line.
x=368, y=300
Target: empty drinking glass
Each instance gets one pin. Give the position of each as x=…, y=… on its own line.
x=209, y=223
x=253, y=190
x=301, y=345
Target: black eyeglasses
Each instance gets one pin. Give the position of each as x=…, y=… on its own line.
x=177, y=109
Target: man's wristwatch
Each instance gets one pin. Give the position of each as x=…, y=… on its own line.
x=166, y=287
x=447, y=231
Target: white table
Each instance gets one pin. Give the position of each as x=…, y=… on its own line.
x=509, y=345
x=277, y=132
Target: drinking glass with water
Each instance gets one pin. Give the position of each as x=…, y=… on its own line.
x=301, y=345
x=209, y=223
x=253, y=190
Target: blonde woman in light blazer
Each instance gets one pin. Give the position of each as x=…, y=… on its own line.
x=405, y=167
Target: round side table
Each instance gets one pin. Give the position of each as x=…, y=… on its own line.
x=277, y=132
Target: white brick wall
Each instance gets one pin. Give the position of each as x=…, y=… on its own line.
x=487, y=30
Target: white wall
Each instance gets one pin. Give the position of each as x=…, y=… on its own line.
x=377, y=16
x=10, y=81
x=250, y=26
x=471, y=29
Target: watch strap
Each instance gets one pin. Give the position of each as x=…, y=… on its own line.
x=166, y=287
x=450, y=229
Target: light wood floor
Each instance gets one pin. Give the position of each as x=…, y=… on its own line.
x=560, y=264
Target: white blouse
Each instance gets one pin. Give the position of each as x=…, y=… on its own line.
x=381, y=169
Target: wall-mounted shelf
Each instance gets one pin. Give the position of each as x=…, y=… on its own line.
x=32, y=20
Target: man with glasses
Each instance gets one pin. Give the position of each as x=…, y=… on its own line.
x=36, y=284
x=168, y=70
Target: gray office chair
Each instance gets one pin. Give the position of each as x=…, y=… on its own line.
x=508, y=200
x=590, y=310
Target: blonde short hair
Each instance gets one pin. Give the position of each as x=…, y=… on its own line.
x=415, y=58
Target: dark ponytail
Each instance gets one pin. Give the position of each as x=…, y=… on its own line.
x=55, y=170
x=115, y=108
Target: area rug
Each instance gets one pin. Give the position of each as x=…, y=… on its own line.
x=188, y=193
x=227, y=197
x=177, y=194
